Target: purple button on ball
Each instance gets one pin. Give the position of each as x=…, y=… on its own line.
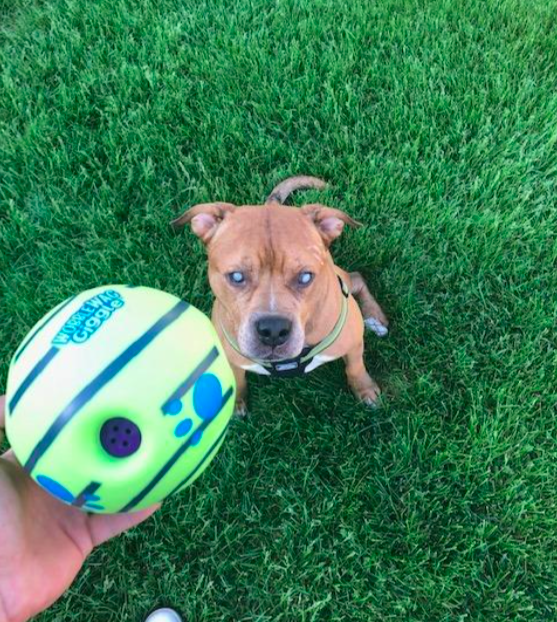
x=120, y=437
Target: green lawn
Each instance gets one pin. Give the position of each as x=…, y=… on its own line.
x=435, y=124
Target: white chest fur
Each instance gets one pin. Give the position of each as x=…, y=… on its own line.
x=256, y=369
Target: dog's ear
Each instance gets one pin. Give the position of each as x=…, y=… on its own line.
x=328, y=220
x=204, y=219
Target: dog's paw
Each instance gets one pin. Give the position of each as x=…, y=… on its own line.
x=368, y=392
x=376, y=326
x=240, y=409
x=370, y=397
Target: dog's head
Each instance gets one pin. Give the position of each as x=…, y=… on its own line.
x=270, y=268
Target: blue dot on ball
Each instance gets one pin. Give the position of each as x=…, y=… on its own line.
x=196, y=438
x=207, y=396
x=183, y=428
x=173, y=408
x=55, y=488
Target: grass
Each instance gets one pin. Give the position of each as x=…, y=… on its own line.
x=434, y=123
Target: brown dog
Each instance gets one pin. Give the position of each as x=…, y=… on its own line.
x=282, y=306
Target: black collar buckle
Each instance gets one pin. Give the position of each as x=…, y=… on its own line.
x=290, y=368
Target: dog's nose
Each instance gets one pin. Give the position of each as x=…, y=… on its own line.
x=273, y=330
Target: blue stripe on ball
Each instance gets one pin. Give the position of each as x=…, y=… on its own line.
x=208, y=453
x=87, y=495
x=41, y=365
x=94, y=506
x=105, y=376
x=54, y=313
x=174, y=458
x=190, y=381
x=55, y=488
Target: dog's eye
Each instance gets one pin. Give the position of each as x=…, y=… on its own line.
x=237, y=278
x=305, y=278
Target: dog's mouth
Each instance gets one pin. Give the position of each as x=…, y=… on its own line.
x=251, y=346
x=275, y=356
x=270, y=355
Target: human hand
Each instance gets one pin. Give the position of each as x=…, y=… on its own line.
x=43, y=542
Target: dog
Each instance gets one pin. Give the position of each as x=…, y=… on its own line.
x=282, y=307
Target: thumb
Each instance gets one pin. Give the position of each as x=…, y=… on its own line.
x=2, y=415
x=102, y=527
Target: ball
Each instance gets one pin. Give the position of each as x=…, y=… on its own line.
x=119, y=397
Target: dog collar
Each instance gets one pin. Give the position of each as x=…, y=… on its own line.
x=288, y=368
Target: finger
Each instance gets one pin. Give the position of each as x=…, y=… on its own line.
x=9, y=455
x=2, y=416
x=106, y=526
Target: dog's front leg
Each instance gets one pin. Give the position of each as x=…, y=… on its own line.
x=363, y=385
x=374, y=318
x=241, y=408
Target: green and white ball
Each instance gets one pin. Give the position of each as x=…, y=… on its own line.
x=119, y=397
